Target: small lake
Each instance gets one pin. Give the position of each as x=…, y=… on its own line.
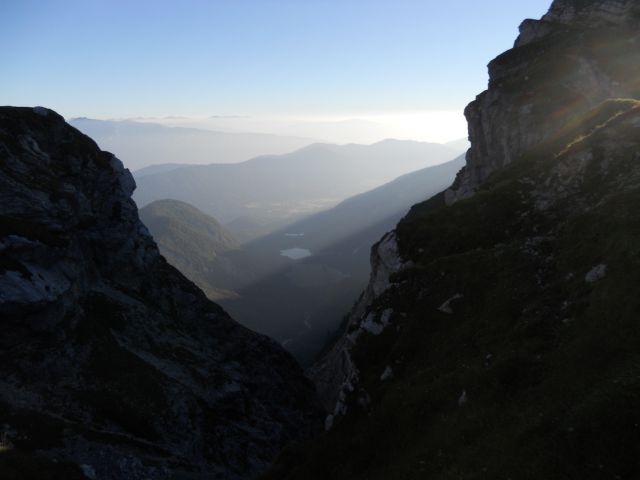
x=296, y=253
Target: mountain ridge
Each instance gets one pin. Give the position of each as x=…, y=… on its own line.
x=141, y=144
x=277, y=190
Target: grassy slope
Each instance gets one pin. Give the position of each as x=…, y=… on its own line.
x=190, y=240
x=180, y=225
x=549, y=362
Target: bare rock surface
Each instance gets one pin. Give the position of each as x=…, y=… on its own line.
x=580, y=54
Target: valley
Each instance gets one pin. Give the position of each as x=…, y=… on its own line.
x=294, y=287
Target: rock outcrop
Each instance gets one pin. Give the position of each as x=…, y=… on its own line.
x=562, y=66
x=335, y=374
x=594, y=13
x=110, y=360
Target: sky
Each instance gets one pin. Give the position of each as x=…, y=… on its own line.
x=406, y=63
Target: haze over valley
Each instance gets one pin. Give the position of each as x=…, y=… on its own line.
x=255, y=197
x=296, y=283
x=278, y=228
x=145, y=144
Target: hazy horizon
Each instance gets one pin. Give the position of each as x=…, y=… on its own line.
x=332, y=71
x=433, y=127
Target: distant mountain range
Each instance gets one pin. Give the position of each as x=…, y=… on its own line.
x=159, y=168
x=421, y=126
x=297, y=302
x=140, y=144
x=258, y=196
x=355, y=214
x=301, y=302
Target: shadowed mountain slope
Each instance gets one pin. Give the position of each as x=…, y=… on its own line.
x=197, y=245
x=112, y=363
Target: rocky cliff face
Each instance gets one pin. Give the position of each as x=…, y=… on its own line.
x=593, y=13
x=336, y=376
x=562, y=66
x=110, y=360
x=501, y=343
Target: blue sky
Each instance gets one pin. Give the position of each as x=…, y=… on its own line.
x=113, y=58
